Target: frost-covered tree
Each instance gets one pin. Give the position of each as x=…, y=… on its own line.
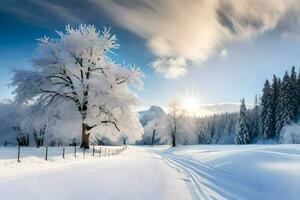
x=218, y=128
x=298, y=94
x=76, y=68
x=171, y=128
x=11, y=128
x=157, y=131
x=187, y=130
x=293, y=88
x=286, y=107
x=267, y=111
x=275, y=89
x=174, y=114
x=254, y=116
x=204, y=137
x=243, y=131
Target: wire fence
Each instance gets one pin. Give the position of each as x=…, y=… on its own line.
x=68, y=151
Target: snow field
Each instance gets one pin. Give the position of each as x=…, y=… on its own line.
x=240, y=171
x=32, y=159
x=209, y=172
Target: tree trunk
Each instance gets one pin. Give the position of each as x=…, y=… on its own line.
x=174, y=134
x=173, y=141
x=153, y=136
x=85, y=141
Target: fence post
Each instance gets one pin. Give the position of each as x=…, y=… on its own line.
x=19, y=149
x=100, y=152
x=75, y=151
x=93, y=150
x=46, y=157
x=63, y=152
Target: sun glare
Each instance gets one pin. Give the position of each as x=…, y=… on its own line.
x=190, y=104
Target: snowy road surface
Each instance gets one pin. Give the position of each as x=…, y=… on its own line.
x=205, y=172
x=134, y=174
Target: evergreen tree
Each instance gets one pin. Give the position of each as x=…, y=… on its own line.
x=286, y=107
x=275, y=95
x=267, y=118
x=275, y=92
x=278, y=109
x=298, y=94
x=255, y=120
x=294, y=97
x=242, y=135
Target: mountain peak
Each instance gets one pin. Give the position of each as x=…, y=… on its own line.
x=151, y=113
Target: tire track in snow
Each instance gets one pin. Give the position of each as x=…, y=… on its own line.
x=197, y=186
x=211, y=183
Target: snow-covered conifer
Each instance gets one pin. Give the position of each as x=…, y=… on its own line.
x=267, y=111
x=285, y=112
x=298, y=94
x=243, y=131
x=275, y=95
x=294, y=97
x=255, y=119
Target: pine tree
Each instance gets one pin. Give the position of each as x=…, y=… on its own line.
x=286, y=107
x=243, y=131
x=255, y=121
x=298, y=94
x=294, y=98
x=278, y=109
x=275, y=95
x=267, y=118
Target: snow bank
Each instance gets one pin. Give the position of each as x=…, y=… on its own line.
x=33, y=159
x=290, y=134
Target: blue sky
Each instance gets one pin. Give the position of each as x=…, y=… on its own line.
x=178, y=49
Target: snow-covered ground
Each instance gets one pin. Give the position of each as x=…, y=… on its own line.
x=33, y=159
x=136, y=173
x=185, y=172
x=240, y=172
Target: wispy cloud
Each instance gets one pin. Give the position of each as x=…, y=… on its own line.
x=43, y=13
x=179, y=32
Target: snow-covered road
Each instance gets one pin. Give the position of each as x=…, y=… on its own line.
x=135, y=174
x=201, y=172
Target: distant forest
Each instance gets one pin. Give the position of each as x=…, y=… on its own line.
x=278, y=106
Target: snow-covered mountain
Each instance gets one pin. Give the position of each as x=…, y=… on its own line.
x=151, y=113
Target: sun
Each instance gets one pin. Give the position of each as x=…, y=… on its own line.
x=190, y=105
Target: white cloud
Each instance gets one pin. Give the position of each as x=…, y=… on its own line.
x=179, y=32
x=223, y=53
x=43, y=13
x=172, y=67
